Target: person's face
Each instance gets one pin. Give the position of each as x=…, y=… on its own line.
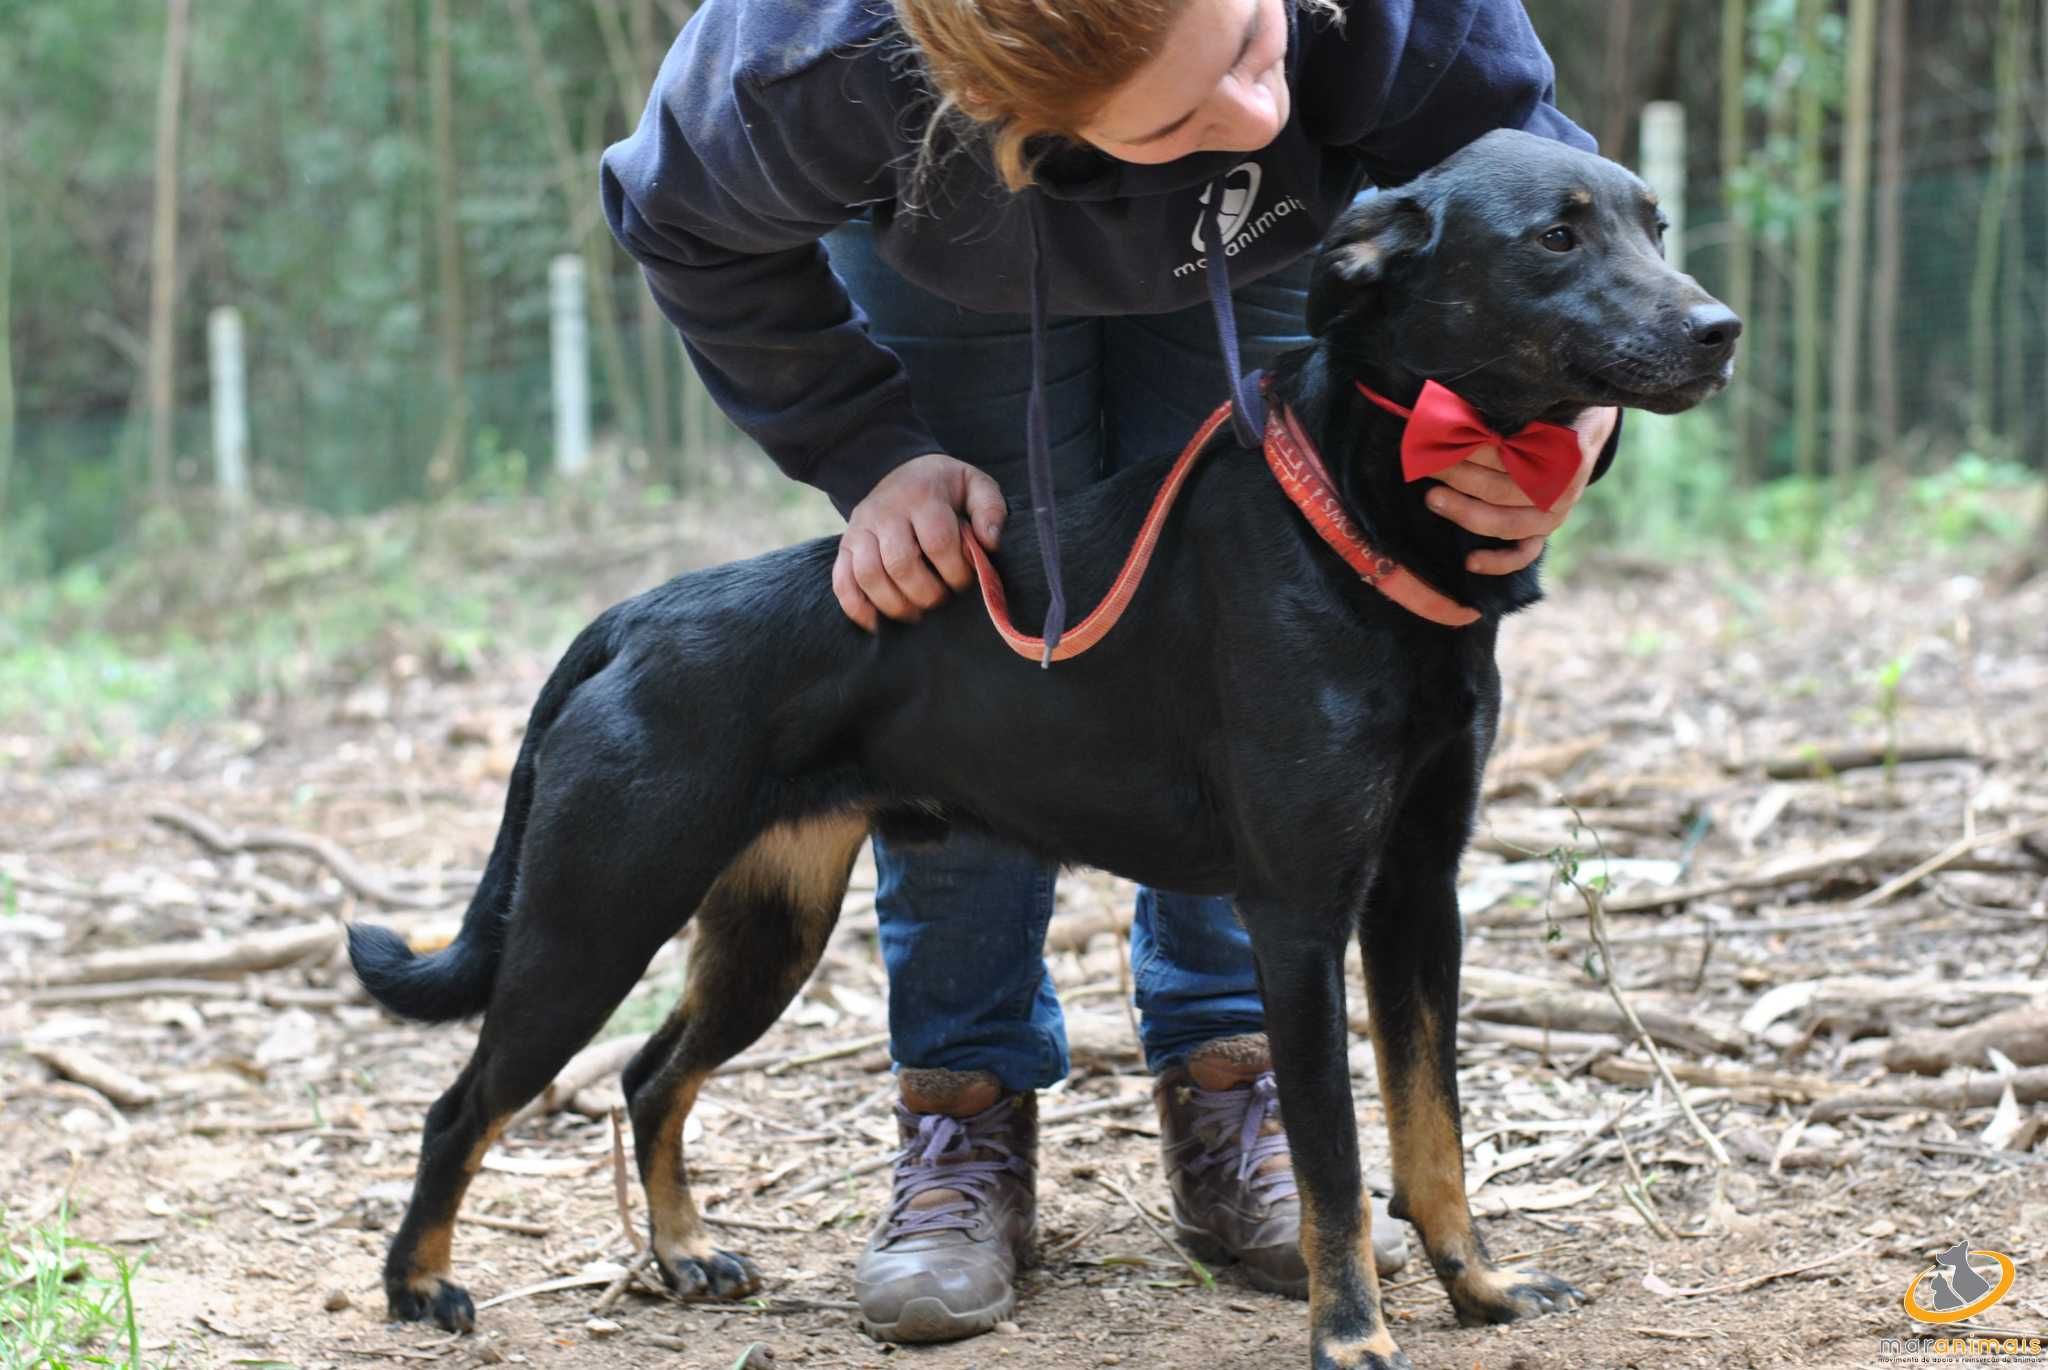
x=1219, y=85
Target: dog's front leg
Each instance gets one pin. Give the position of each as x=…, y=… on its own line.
x=1301, y=978
x=1411, y=940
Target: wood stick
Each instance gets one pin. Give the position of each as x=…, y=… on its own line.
x=1531, y=1001
x=1596, y=919
x=76, y=1063
x=586, y=1067
x=1977, y=1090
x=277, y=996
x=1956, y=850
x=1737, y=1286
x=519, y=1225
x=1819, y=764
x=345, y=867
x=256, y=951
x=833, y=1053
x=620, y=1191
x=1201, y=1271
x=1797, y=1088
x=821, y=1182
x=2021, y=1033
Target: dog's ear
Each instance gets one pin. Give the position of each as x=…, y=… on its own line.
x=1368, y=241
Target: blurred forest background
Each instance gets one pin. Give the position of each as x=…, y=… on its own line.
x=379, y=189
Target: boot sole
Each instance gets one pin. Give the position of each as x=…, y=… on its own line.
x=1207, y=1249
x=928, y=1320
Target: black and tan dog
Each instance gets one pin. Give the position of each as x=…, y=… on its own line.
x=1262, y=723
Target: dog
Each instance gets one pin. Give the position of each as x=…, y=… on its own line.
x=1263, y=723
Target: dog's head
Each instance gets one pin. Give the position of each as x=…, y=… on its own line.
x=1530, y=278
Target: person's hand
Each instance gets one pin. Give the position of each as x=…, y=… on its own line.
x=901, y=553
x=1478, y=495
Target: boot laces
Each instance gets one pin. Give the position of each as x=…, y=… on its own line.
x=1238, y=1117
x=951, y=1153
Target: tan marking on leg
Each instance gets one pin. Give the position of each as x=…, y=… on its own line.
x=678, y=1229
x=433, y=1254
x=1353, y=1351
x=1326, y=1276
x=1428, y=1152
x=1311, y=1255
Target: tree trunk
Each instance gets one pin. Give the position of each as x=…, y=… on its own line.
x=446, y=465
x=1845, y=426
x=163, y=256
x=409, y=235
x=654, y=329
x=2013, y=302
x=6, y=348
x=2005, y=143
x=580, y=201
x=1741, y=264
x=1884, y=284
x=1807, y=250
x=1620, y=95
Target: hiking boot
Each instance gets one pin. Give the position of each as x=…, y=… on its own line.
x=1234, y=1196
x=943, y=1262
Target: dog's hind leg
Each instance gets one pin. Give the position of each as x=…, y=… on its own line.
x=1410, y=938
x=605, y=877
x=1300, y=961
x=758, y=936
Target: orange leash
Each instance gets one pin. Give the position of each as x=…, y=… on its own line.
x=1295, y=464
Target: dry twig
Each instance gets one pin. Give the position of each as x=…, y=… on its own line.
x=345, y=867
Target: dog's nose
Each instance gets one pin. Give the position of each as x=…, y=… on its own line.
x=1713, y=326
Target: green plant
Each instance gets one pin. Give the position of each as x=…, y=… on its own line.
x=56, y=1311
x=1888, y=678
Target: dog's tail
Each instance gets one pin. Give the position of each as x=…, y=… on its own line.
x=456, y=981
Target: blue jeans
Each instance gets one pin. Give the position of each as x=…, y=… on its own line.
x=963, y=923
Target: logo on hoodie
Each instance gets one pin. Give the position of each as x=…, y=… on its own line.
x=1242, y=224
x=1237, y=203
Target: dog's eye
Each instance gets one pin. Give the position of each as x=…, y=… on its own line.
x=1559, y=239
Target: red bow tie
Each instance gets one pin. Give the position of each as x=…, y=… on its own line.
x=1543, y=458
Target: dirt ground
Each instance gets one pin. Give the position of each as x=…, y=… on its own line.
x=266, y=1175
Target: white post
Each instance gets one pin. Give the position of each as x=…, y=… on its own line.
x=1664, y=169
x=230, y=405
x=571, y=347
x=1655, y=490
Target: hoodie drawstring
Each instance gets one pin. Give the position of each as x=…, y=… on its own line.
x=1247, y=407
x=1038, y=449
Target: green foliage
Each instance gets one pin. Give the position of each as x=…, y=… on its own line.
x=56, y=1310
x=1670, y=494
x=304, y=190
x=185, y=626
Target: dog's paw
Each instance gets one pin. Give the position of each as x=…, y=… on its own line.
x=716, y=1275
x=429, y=1298
x=1377, y=1352
x=1508, y=1295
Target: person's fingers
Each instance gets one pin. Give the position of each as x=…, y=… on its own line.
x=937, y=527
x=985, y=507
x=1501, y=561
x=903, y=561
x=852, y=601
x=1483, y=483
x=1492, y=520
x=870, y=573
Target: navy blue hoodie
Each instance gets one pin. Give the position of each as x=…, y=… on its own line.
x=774, y=121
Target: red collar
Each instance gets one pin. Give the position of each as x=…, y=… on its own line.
x=1295, y=464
